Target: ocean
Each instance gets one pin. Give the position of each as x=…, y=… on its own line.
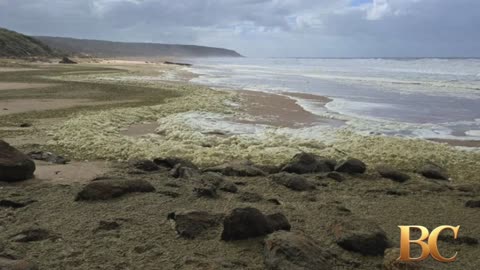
x=419, y=98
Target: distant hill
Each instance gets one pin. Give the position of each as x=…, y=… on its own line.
x=100, y=48
x=13, y=44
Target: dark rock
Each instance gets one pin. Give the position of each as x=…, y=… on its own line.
x=180, y=171
x=240, y=183
x=468, y=188
x=14, y=165
x=190, y=224
x=237, y=168
x=66, y=60
x=250, y=197
x=274, y=201
x=31, y=235
x=169, y=193
x=279, y=221
x=25, y=125
x=108, y=226
x=244, y=223
x=434, y=172
x=295, y=251
x=473, y=204
x=343, y=210
x=170, y=162
x=207, y=191
x=109, y=189
x=392, y=174
x=293, y=181
x=211, y=178
x=397, y=192
x=228, y=186
x=270, y=169
x=172, y=184
x=360, y=235
x=12, y=264
x=12, y=203
x=48, y=157
x=309, y=163
x=336, y=176
x=351, y=166
x=144, y=165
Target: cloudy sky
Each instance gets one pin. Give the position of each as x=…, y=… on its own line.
x=328, y=28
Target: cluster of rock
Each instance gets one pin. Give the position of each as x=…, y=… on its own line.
x=283, y=248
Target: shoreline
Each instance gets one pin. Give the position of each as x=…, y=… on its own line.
x=153, y=142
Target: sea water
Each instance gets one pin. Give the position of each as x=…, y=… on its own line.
x=425, y=98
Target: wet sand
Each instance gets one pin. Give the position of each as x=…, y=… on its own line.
x=140, y=129
x=282, y=110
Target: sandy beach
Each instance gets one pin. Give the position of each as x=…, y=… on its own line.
x=113, y=122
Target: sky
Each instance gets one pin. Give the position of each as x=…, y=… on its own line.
x=264, y=28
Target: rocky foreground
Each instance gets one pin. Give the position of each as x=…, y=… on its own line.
x=311, y=213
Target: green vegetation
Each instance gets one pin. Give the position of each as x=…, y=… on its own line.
x=13, y=44
x=102, y=48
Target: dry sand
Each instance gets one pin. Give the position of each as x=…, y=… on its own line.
x=74, y=172
x=12, y=106
x=19, y=86
x=6, y=69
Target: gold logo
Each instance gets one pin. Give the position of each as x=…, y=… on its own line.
x=427, y=242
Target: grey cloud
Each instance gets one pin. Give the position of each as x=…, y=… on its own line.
x=263, y=27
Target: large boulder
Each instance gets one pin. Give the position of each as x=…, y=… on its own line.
x=244, y=223
x=473, y=204
x=14, y=165
x=144, y=165
x=392, y=174
x=206, y=191
x=237, y=168
x=170, y=162
x=181, y=171
x=351, y=166
x=433, y=171
x=309, y=163
x=31, y=235
x=190, y=224
x=293, y=181
x=249, y=197
x=360, y=235
x=228, y=186
x=109, y=189
x=295, y=251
